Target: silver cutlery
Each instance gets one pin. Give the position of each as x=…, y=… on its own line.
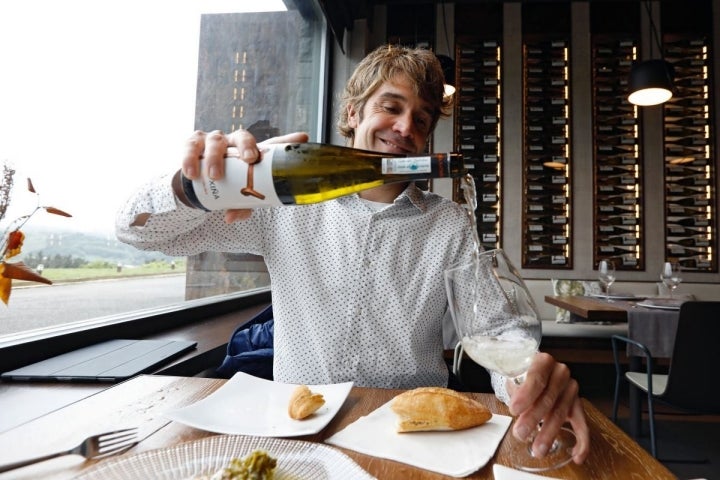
x=94, y=447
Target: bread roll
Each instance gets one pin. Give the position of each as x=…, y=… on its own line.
x=304, y=403
x=436, y=408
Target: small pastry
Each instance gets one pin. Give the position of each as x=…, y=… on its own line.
x=304, y=403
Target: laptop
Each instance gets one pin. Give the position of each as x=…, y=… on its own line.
x=109, y=361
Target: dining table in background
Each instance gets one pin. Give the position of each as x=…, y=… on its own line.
x=653, y=327
x=143, y=400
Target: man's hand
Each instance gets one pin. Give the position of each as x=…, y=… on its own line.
x=548, y=395
x=211, y=148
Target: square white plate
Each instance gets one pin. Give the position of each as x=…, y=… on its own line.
x=248, y=405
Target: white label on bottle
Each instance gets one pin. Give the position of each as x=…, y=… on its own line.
x=405, y=165
x=243, y=186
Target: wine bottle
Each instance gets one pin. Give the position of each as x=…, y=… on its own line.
x=618, y=208
x=622, y=239
x=612, y=250
x=692, y=180
x=691, y=221
x=683, y=251
x=548, y=249
x=604, y=189
x=694, y=201
x=616, y=169
x=304, y=173
x=684, y=231
x=606, y=229
x=699, y=262
x=694, y=241
x=547, y=260
x=681, y=211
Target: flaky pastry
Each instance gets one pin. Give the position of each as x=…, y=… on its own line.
x=436, y=408
x=304, y=403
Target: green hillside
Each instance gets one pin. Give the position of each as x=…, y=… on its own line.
x=89, y=247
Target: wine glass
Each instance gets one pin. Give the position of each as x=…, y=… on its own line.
x=499, y=328
x=606, y=275
x=671, y=276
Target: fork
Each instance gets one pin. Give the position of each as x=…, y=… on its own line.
x=93, y=447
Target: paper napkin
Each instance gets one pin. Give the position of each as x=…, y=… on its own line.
x=454, y=453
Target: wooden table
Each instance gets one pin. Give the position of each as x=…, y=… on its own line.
x=590, y=309
x=142, y=401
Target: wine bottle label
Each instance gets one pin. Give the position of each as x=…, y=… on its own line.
x=404, y=165
x=243, y=186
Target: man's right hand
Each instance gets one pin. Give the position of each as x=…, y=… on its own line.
x=211, y=147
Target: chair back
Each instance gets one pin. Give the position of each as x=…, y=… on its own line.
x=693, y=381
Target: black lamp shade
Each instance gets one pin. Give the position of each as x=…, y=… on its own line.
x=651, y=82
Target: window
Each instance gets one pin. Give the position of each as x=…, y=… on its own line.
x=96, y=99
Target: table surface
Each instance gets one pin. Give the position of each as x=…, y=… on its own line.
x=142, y=401
x=592, y=309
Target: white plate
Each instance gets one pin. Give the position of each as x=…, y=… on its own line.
x=193, y=460
x=662, y=305
x=616, y=296
x=248, y=405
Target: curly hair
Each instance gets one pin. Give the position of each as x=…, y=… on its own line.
x=420, y=66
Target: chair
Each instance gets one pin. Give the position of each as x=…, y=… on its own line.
x=691, y=384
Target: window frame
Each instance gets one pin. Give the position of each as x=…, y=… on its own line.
x=22, y=348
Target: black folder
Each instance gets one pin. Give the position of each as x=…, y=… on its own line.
x=110, y=361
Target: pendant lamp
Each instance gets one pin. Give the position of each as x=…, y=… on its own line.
x=651, y=81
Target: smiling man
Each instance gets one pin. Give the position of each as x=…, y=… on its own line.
x=357, y=282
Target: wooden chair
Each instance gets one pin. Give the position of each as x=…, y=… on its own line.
x=691, y=384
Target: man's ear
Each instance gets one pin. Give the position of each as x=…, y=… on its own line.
x=352, y=116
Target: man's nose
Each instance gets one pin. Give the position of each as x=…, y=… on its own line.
x=404, y=125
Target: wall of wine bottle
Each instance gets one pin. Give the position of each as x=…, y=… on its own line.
x=690, y=173
x=579, y=174
x=547, y=224
x=618, y=206
x=477, y=129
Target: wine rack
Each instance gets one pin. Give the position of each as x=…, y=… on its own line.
x=478, y=129
x=617, y=164
x=689, y=165
x=546, y=153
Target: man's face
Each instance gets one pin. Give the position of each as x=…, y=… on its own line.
x=393, y=120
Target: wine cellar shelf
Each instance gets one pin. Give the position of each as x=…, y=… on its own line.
x=639, y=157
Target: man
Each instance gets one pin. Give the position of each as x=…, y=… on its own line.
x=358, y=291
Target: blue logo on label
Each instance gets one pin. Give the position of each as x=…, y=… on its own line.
x=414, y=166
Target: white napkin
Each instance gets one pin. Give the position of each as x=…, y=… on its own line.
x=501, y=472
x=454, y=453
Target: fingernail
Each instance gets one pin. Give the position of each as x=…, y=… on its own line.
x=249, y=154
x=522, y=431
x=213, y=172
x=541, y=450
x=190, y=172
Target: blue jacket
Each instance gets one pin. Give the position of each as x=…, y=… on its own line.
x=250, y=348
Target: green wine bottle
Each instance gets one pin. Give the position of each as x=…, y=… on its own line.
x=304, y=173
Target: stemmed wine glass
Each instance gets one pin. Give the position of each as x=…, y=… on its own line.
x=499, y=328
x=606, y=275
x=671, y=276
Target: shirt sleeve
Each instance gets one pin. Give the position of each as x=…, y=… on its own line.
x=500, y=387
x=154, y=219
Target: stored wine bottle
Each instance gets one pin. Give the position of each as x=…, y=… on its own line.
x=613, y=250
x=303, y=173
x=699, y=262
x=546, y=260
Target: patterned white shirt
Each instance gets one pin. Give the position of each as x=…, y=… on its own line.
x=358, y=294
